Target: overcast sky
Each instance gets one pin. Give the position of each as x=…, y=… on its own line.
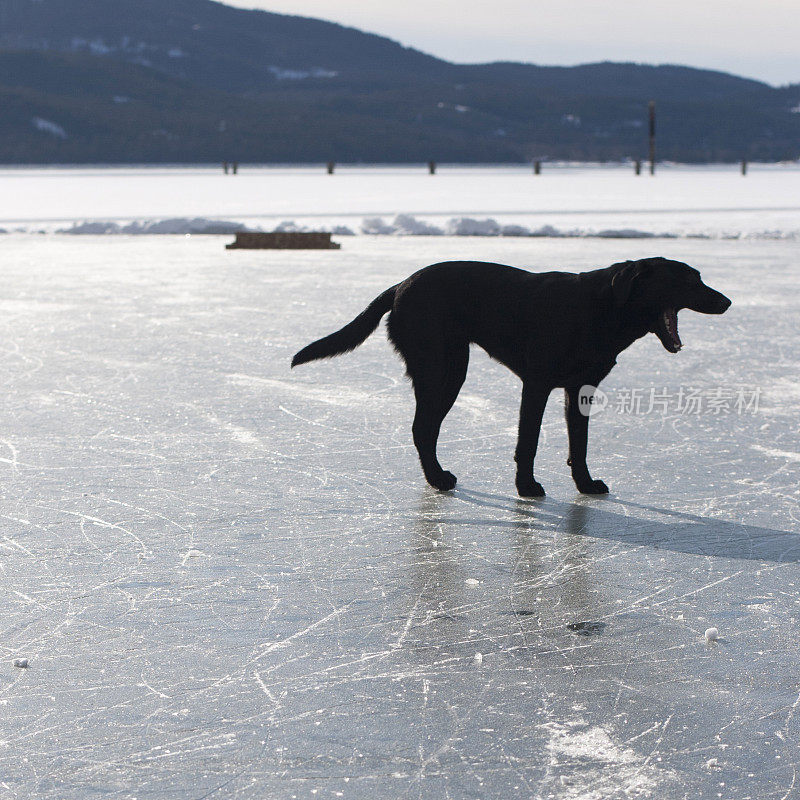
x=755, y=38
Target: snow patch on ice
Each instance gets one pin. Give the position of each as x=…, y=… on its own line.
x=607, y=769
x=401, y=225
x=343, y=396
x=375, y=226
x=770, y=236
x=236, y=432
x=625, y=233
x=289, y=226
x=515, y=230
x=787, y=454
x=243, y=436
x=182, y=226
x=175, y=226
x=478, y=407
x=192, y=553
x=407, y=225
x=549, y=231
x=466, y=226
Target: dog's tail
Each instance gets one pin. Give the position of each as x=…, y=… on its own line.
x=352, y=335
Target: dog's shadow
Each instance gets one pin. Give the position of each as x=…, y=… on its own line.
x=623, y=521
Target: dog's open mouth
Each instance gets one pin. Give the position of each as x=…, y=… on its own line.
x=667, y=330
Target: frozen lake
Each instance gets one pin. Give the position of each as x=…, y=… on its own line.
x=230, y=579
x=681, y=201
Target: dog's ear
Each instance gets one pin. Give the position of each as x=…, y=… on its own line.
x=623, y=281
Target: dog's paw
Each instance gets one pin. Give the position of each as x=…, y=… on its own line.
x=444, y=482
x=593, y=487
x=530, y=489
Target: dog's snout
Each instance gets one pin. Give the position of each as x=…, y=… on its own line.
x=722, y=303
x=710, y=301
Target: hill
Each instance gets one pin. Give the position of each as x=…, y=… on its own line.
x=194, y=80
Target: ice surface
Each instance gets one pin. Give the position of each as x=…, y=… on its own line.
x=609, y=202
x=231, y=580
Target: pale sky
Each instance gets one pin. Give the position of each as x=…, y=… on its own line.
x=754, y=38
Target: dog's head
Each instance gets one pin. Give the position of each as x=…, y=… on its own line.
x=654, y=290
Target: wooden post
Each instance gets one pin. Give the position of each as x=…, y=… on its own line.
x=637, y=166
x=225, y=167
x=235, y=167
x=537, y=167
x=744, y=166
x=285, y=240
x=652, y=113
x=331, y=167
x=431, y=167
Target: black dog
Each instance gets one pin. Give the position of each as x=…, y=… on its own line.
x=553, y=329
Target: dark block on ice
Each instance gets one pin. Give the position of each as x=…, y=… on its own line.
x=283, y=241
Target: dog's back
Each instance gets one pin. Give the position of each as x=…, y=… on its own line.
x=509, y=312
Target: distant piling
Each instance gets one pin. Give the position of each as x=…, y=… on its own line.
x=431, y=167
x=637, y=166
x=744, y=167
x=331, y=167
x=537, y=167
x=651, y=107
x=225, y=167
x=235, y=167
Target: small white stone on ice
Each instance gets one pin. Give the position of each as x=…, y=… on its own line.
x=472, y=582
x=712, y=634
x=22, y=663
x=478, y=658
x=712, y=763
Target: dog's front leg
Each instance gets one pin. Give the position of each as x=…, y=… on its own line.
x=534, y=399
x=578, y=431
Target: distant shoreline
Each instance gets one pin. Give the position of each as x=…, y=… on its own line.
x=405, y=165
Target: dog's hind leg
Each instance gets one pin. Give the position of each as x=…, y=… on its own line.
x=437, y=381
x=457, y=360
x=534, y=400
